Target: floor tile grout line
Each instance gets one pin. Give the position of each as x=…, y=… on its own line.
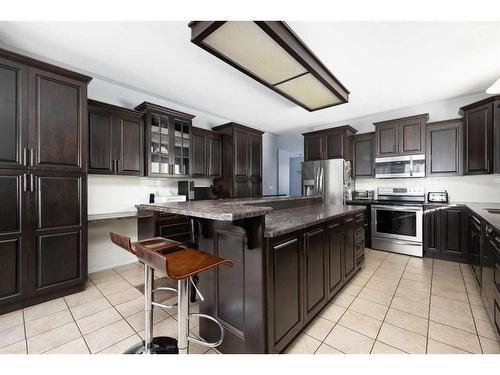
x=25, y=333
x=346, y=308
x=385, y=315
x=429, y=312
x=473, y=320
x=77, y=326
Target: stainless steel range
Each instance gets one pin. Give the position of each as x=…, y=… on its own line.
x=397, y=220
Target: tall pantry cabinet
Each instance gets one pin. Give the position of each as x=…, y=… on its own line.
x=43, y=181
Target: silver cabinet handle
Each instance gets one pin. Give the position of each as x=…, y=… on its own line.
x=32, y=157
x=32, y=184
x=25, y=182
x=25, y=156
x=285, y=244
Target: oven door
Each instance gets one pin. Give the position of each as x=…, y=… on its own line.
x=397, y=222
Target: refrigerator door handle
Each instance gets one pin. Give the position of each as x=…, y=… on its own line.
x=321, y=182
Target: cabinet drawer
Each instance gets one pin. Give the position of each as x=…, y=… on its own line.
x=166, y=230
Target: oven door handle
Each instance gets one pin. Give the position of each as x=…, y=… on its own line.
x=398, y=208
x=405, y=242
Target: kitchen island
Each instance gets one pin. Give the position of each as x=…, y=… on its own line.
x=290, y=256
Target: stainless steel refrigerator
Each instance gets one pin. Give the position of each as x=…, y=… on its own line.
x=331, y=179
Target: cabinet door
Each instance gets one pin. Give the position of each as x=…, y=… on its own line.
x=214, y=156
x=478, y=140
x=180, y=144
x=240, y=188
x=349, y=261
x=454, y=232
x=386, y=139
x=411, y=138
x=13, y=114
x=315, y=286
x=58, y=256
x=431, y=231
x=254, y=187
x=241, y=153
x=313, y=147
x=130, y=138
x=335, y=243
x=100, y=142
x=57, y=121
x=286, y=291
x=335, y=145
x=363, y=156
x=199, y=153
x=255, y=156
x=444, y=149
x=14, y=235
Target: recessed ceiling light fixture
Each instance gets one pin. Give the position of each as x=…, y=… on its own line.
x=271, y=53
x=494, y=88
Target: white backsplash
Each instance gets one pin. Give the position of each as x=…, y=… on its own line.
x=121, y=193
x=483, y=188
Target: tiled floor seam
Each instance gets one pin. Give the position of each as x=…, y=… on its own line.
x=470, y=308
x=385, y=315
x=77, y=326
x=429, y=312
x=25, y=333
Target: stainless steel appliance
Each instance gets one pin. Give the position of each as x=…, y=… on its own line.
x=437, y=196
x=400, y=166
x=332, y=179
x=397, y=218
x=364, y=194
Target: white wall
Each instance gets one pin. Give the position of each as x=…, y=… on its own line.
x=269, y=164
x=483, y=188
x=283, y=172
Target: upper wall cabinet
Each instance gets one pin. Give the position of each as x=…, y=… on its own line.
x=168, y=141
x=43, y=121
x=444, y=155
x=364, y=155
x=241, y=161
x=116, y=140
x=334, y=143
x=403, y=136
x=482, y=136
x=206, y=157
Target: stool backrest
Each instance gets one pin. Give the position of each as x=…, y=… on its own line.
x=122, y=241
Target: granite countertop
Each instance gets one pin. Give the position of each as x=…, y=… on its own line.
x=116, y=216
x=289, y=220
x=491, y=218
x=221, y=209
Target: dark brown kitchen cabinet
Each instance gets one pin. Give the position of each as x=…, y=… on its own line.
x=334, y=143
x=444, y=156
x=402, y=136
x=306, y=269
x=285, y=290
x=445, y=230
x=364, y=155
x=241, y=174
x=57, y=122
x=116, y=140
x=206, y=155
x=13, y=114
x=168, y=141
x=315, y=272
x=43, y=164
x=335, y=243
x=474, y=243
x=482, y=136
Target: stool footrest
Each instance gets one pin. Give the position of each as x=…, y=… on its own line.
x=161, y=304
x=203, y=342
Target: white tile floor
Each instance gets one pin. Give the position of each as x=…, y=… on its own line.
x=395, y=304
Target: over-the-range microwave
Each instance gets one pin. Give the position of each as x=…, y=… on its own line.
x=400, y=166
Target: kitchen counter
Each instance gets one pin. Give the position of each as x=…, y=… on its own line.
x=480, y=210
x=116, y=216
x=286, y=221
x=225, y=209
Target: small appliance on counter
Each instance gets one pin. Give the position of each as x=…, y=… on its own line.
x=364, y=194
x=437, y=196
x=157, y=198
x=195, y=193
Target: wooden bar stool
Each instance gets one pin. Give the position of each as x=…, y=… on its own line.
x=160, y=344
x=181, y=266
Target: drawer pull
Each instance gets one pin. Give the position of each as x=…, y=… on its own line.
x=285, y=244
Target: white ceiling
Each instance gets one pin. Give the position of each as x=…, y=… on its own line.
x=385, y=65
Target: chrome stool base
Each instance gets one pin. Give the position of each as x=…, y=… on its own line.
x=160, y=345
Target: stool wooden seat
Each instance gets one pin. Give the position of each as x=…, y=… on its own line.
x=181, y=264
x=153, y=244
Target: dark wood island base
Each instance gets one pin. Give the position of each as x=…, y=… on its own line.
x=288, y=264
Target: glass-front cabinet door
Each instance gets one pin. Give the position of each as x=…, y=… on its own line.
x=169, y=139
x=182, y=143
